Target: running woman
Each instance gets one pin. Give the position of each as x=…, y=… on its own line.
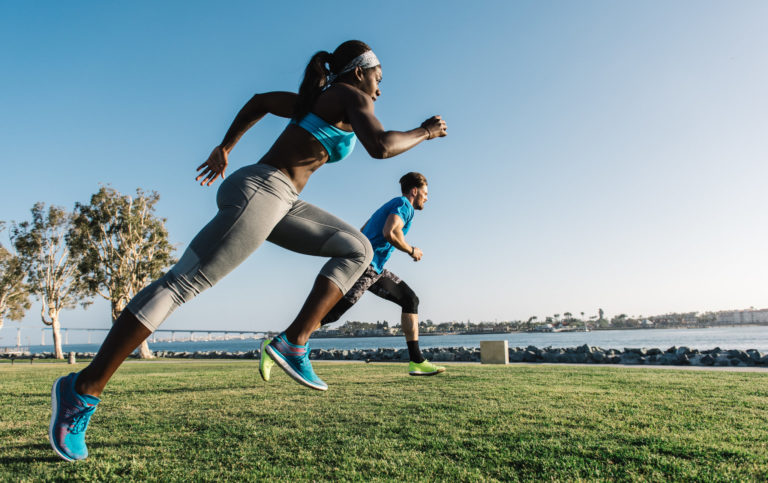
x=386, y=230
x=333, y=108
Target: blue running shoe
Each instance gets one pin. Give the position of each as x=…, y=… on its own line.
x=294, y=360
x=69, y=418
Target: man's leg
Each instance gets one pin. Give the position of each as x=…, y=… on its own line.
x=409, y=323
x=390, y=287
x=349, y=299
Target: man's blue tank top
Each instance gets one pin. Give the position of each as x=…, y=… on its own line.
x=337, y=142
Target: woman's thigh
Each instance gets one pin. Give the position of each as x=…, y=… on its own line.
x=310, y=230
x=249, y=210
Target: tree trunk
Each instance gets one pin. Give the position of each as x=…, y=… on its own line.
x=116, y=310
x=59, y=354
x=144, y=352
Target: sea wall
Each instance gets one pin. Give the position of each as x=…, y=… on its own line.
x=572, y=355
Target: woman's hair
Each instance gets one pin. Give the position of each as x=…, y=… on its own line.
x=316, y=74
x=412, y=180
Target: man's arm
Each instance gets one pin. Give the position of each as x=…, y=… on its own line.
x=393, y=233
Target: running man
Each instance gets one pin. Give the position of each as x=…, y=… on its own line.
x=386, y=230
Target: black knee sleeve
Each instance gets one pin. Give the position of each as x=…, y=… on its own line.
x=410, y=303
x=391, y=288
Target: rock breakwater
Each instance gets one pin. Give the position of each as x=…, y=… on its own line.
x=571, y=355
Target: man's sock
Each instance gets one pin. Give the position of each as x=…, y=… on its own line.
x=414, y=352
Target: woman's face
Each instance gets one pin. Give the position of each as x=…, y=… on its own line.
x=371, y=78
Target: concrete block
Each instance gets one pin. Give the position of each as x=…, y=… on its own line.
x=494, y=352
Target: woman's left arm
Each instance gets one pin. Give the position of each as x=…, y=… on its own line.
x=382, y=144
x=278, y=103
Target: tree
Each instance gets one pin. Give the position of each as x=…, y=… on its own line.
x=50, y=266
x=121, y=245
x=14, y=293
x=619, y=321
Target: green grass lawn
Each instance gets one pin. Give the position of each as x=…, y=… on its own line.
x=216, y=420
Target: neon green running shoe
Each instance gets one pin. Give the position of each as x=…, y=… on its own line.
x=265, y=361
x=425, y=368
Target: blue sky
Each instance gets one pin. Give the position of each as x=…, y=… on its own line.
x=600, y=154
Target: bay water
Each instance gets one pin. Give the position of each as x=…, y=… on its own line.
x=738, y=337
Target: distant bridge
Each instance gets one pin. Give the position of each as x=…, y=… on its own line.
x=235, y=334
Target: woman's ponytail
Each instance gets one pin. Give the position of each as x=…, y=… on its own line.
x=315, y=80
x=320, y=66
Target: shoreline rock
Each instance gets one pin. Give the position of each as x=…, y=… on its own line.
x=583, y=354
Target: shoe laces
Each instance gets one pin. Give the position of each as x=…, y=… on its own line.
x=80, y=420
x=304, y=360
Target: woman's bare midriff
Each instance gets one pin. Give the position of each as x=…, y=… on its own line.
x=297, y=154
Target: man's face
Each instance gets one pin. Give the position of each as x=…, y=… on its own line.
x=421, y=197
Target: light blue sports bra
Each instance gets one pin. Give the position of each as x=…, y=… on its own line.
x=338, y=142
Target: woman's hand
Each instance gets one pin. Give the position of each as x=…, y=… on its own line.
x=435, y=126
x=214, y=167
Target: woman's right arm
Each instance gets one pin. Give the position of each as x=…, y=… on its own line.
x=277, y=103
x=382, y=144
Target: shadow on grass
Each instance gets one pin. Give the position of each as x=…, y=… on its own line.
x=43, y=394
x=8, y=460
x=26, y=448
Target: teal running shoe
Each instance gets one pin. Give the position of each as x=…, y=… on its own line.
x=294, y=360
x=265, y=362
x=70, y=415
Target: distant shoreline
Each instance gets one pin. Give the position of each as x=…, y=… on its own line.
x=320, y=335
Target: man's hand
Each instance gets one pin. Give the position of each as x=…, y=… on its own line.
x=416, y=254
x=214, y=167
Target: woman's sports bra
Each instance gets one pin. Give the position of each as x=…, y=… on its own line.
x=338, y=142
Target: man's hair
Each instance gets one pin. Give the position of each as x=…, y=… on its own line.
x=412, y=180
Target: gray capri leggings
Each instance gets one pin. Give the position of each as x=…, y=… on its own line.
x=256, y=203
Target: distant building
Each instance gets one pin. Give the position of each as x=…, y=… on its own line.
x=759, y=316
